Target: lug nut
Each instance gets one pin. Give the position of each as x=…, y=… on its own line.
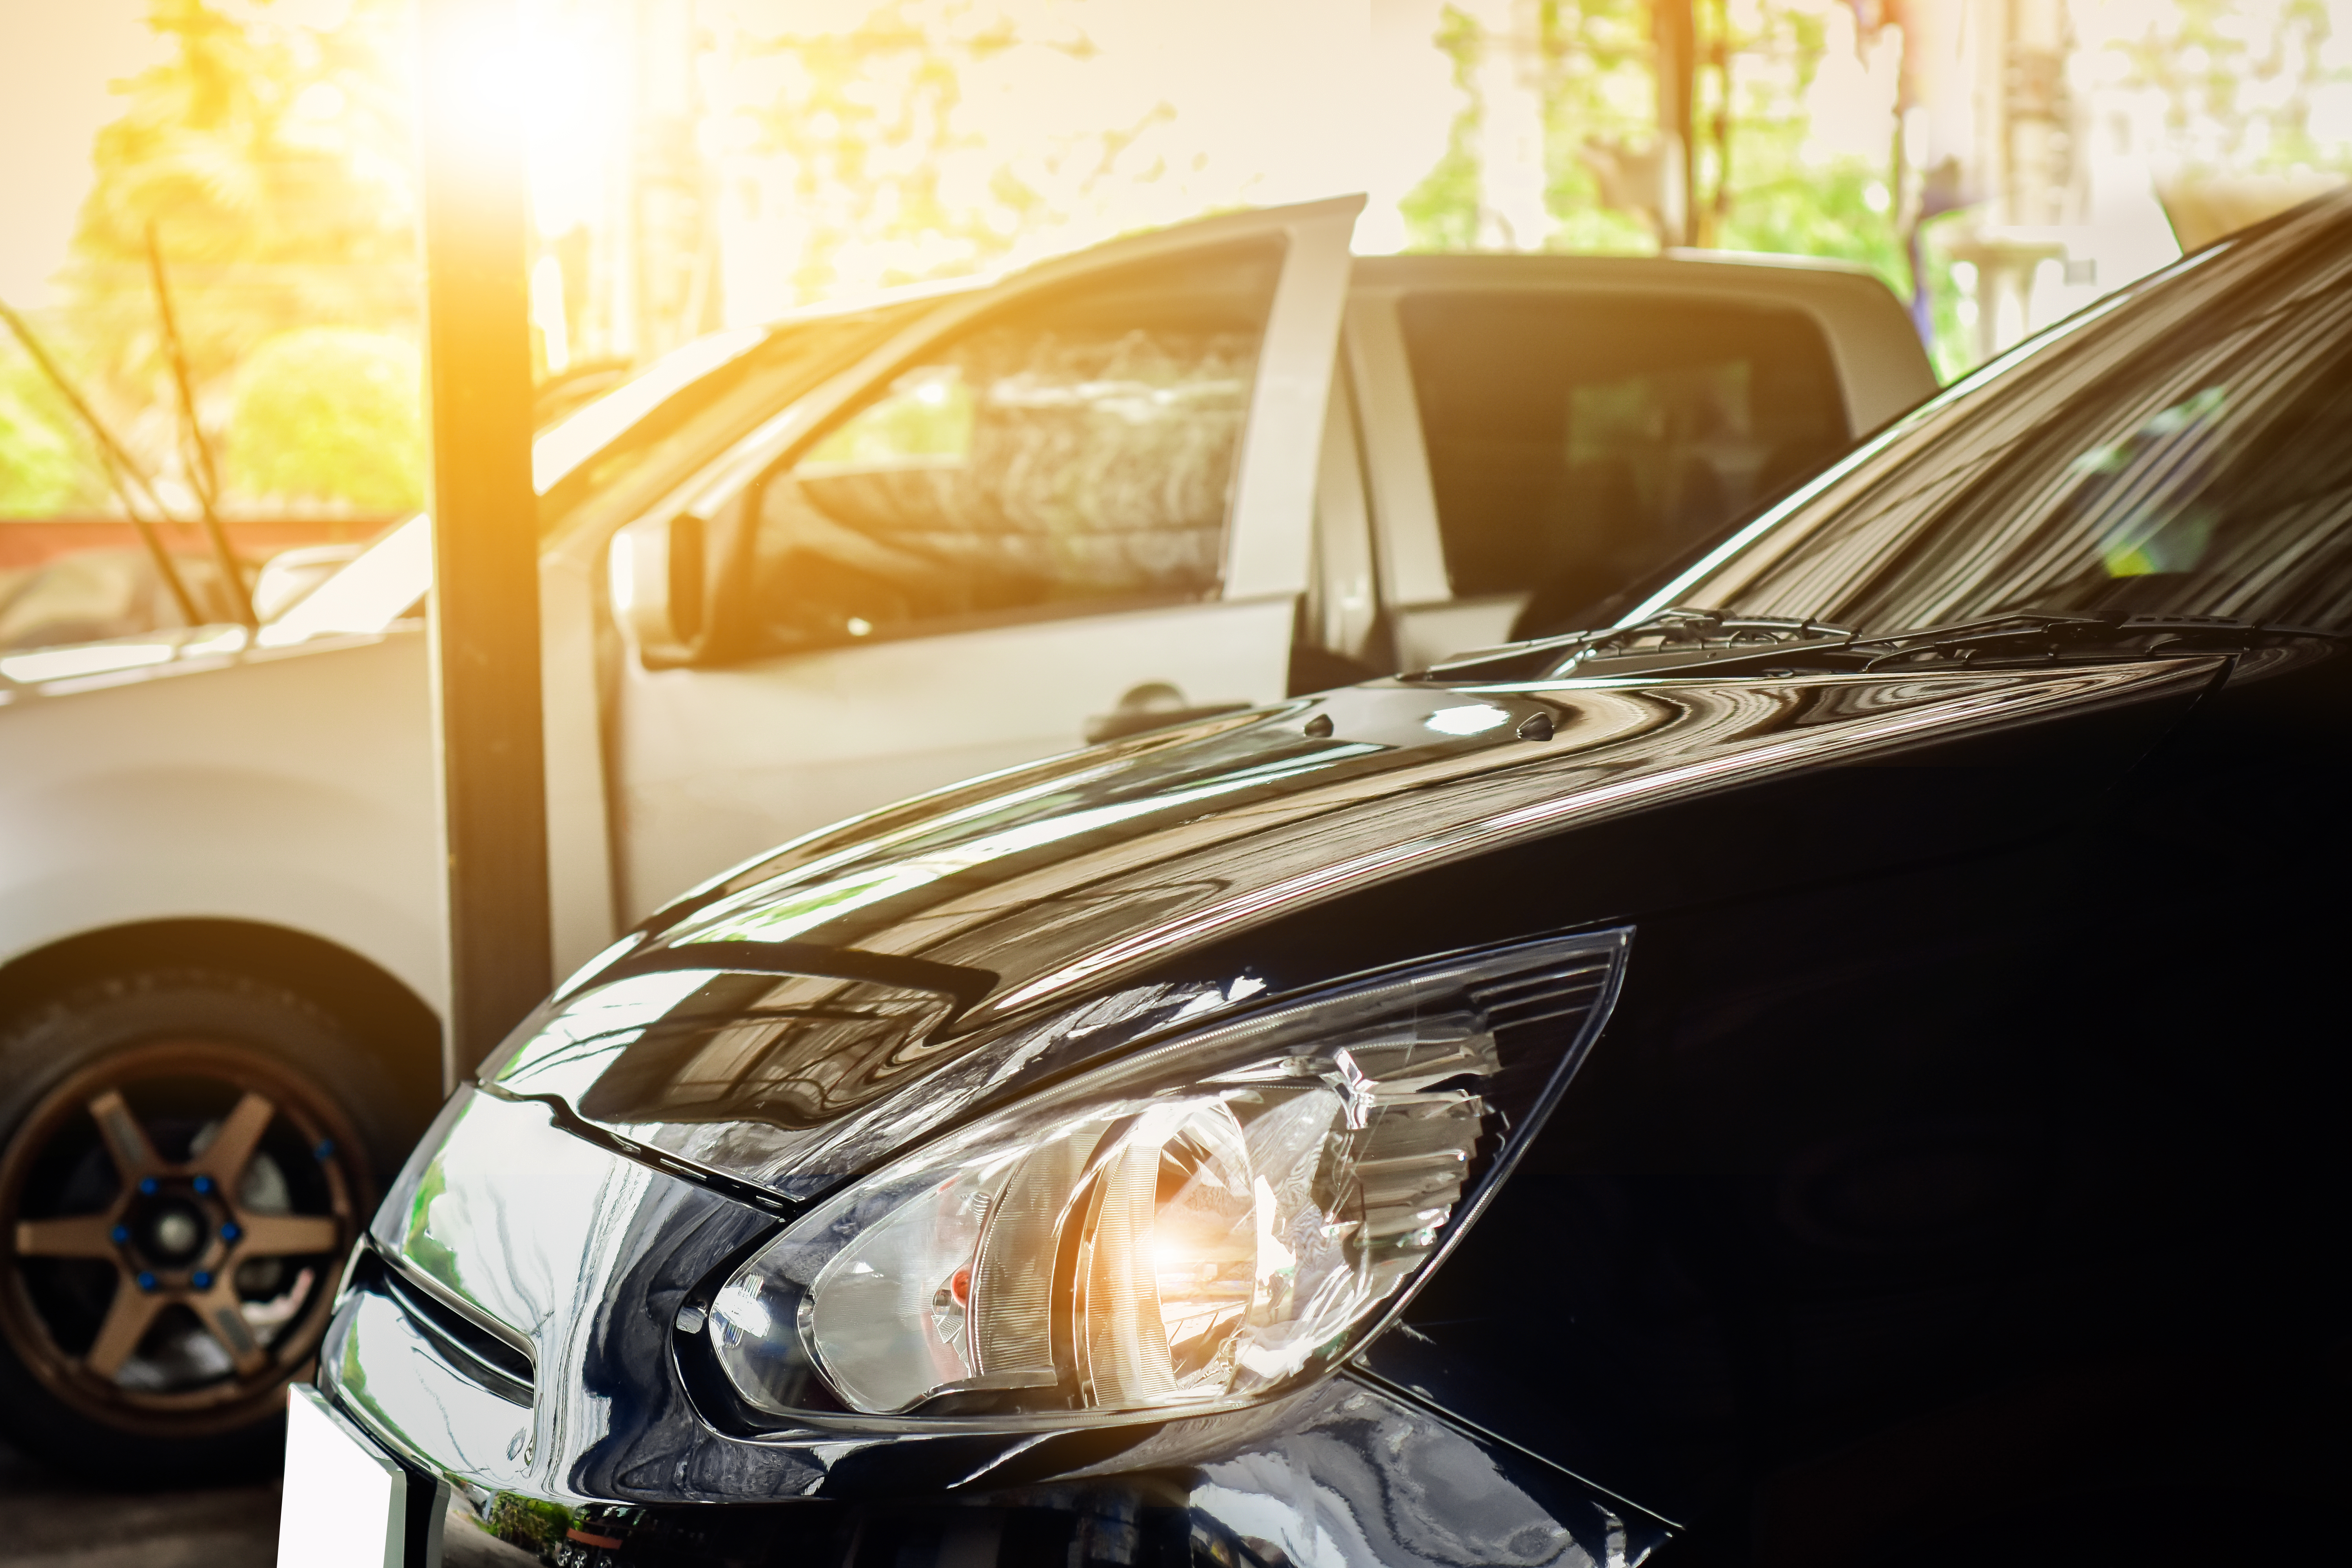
x=201, y=1279
x=147, y=1186
x=122, y=1235
x=146, y=1280
x=204, y=1184
x=230, y=1230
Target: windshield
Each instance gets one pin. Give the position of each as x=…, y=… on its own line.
x=2183, y=449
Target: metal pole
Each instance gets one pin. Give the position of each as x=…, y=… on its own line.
x=1674, y=26
x=485, y=523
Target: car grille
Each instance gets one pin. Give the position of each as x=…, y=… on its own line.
x=475, y=1353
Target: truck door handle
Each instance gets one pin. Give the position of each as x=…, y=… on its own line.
x=1155, y=705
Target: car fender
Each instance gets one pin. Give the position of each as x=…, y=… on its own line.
x=289, y=787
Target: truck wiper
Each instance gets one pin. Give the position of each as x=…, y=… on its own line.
x=122, y=472
x=1687, y=641
x=204, y=474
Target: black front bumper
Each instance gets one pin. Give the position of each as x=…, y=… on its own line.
x=1347, y=1472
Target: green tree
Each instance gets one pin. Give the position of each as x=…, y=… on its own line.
x=2238, y=81
x=1759, y=187
x=1594, y=67
x=272, y=162
x=46, y=466
x=326, y=413
x=1442, y=212
x=1768, y=189
x=878, y=128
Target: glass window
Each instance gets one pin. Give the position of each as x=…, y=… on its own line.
x=1579, y=439
x=2186, y=451
x=613, y=457
x=82, y=597
x=1074, y=450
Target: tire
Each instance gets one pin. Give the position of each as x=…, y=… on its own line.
x=186, y=1157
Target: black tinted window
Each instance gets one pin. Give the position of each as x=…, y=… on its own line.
x=2187, y=452
x=1594, y=437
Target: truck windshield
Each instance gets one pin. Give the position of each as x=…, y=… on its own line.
x=2183, y=449
x=622, y=450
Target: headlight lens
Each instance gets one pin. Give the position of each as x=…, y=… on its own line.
x=1200, y=1227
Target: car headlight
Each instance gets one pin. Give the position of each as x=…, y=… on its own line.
x=1200, y=1225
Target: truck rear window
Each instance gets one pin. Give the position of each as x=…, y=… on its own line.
x=1579, y=438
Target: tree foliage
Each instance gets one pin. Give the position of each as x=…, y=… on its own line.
x=1768, y=184
x=866, y=123
x=1592, y=66
x=271, y=163
x=2239, y=82
x=1762, y=185
x=46, y=466
x=922, y=139
x=329, y=413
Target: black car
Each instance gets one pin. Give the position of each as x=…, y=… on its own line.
x=1853, y=1071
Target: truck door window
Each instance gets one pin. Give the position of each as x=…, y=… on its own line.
x=1588, y=437
x=1069, y=452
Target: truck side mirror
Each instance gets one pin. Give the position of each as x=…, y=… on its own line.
x=661, y=588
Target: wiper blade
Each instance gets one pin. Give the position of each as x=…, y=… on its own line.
x=1670, y=637
x=2032, y=637
x=1719, y=643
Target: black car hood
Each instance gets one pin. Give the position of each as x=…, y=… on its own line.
x=1046, y=883
x=974, y=938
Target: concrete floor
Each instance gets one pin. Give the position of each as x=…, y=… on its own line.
x=49, y=1521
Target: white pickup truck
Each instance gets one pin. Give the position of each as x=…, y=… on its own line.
x=789, y=574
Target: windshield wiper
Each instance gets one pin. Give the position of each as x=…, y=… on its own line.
x=2037, y=636
x=1685, y=640
x=1670, y=637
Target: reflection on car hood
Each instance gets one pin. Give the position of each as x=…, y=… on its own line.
x=909, y=965
x=1064, y=876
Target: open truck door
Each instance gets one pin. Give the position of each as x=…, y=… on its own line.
x=1074, y=505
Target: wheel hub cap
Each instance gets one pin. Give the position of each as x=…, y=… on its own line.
x=208, y=1245
x=173, y=1231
